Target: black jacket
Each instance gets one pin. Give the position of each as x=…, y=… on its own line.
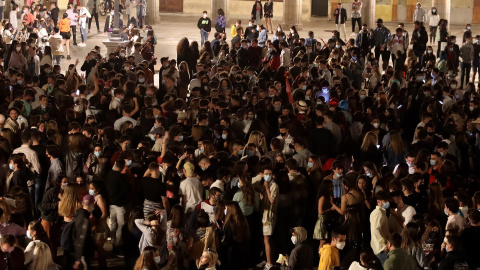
x=82, y=236
x=454, y=259
x=205, y=24
x=340, y=14
x=420, y=36
x=49, y=205
x=254, y=11
x=301, y=257
x=321, y=142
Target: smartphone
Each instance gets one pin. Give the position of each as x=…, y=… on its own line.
x=441, y=102
x=400, y=106
x=325, y=93
x=11, y=88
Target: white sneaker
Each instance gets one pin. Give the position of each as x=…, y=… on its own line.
x=267, y=266
x=262, y=264
x=82, y=45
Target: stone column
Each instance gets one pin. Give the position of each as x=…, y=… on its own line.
x=368, y=13
x=153, y=10
x=292, y=13
x=216, y=4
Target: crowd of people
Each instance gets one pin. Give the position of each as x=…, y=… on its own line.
x=251, y=149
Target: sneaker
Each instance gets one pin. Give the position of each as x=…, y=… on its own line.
x=262, y=264
x=68, y=57
x=82, y=45
x=267, y=266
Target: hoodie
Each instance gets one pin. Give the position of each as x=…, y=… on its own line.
x=329, y=256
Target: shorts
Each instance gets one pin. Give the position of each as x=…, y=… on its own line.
x=475, y=65
x=65, y=35
x=268, y=228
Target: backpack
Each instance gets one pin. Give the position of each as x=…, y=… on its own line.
x=68, y=232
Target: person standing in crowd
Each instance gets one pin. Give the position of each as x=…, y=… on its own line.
x=141, y=12
x=419, y=15
x=434, y=19
x=419, y=40
x=379, y=226
x=205, y=26
x=340, y=19
x=380, y=38
x=83, y=16
x=64, y=28
x=257, y=12
x=330, y=253
x=73, y=17
x=357, y=15
x=92, y=6
x=398, y=258
x=466, y=53
x=268, y=14
x=221, y=21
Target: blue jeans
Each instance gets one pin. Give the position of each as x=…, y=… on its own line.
x=83, y=32
x=57, y=59
x=39, y=187
x=382, y=256
x=203, y=35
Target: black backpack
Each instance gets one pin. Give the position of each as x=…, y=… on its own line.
x=68, y=233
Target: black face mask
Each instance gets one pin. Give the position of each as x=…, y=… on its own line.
x=283, y=134
x=379, y=25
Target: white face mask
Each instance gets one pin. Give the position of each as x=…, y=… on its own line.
x=340, y=245
x=204, y=15
x=279, y=29
x=294, y=239
x=18, y=48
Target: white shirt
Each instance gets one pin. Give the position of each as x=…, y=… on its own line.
x=379, y=229
x=115, y=105
x=218, y=184
x=456, y=221
x=286, y=144
x=406, y=212
x=285, y=57
x=356, y=266
x=82, y=21
x=118, y=124
x=31, y=156
x=411, y=169
x=192, y=189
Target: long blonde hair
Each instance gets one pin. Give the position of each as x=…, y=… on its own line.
x=70, y=201
x=257, y=138
x=42, y=257
x=369, y=140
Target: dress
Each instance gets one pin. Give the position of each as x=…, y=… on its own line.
x=268, y=9
x=324, y=223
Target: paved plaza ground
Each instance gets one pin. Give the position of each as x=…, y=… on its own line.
x=173, y=27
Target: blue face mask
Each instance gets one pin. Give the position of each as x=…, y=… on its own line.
x=249, y=153
x=338, y=175
x=267, y=178
x=29, y=235
x=141, y=80
x=180, y=138
x=240, y=152
x=10, y=166
x=238, y=184
x=91, y=192
x=157, y=260
x=97, y=153
x=309, y=165
x=19, y=82
x=368, y=174
x=433, y=162
x=445, y=211
x=201, y=150
x=446, y=248
x=224, y=136
x=386, y=205
x=128, y=163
